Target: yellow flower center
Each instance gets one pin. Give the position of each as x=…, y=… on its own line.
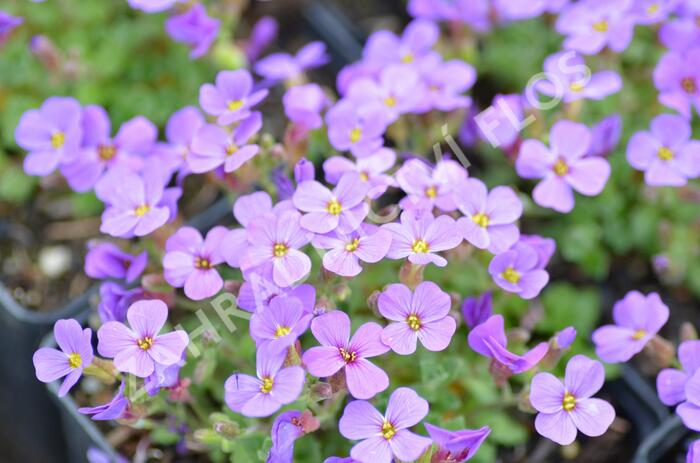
x=420, y=246
x=560, y=167
x=280, y=249
x=282, y=331
x=413, y=322
x=231, y=148
x=431, y=192
x=235, y=105
x=390, y=101
x=569, y=402
x=388, y=430
x=106, y=152
x=353, y=245
x=348, y=357
x=600, y=26
x=481, y=219
x=266, y=385
x=689, y=85
x=653, y=8
x=364, y=176
x=145, y=343
x=333, y=207
x=407, y=58
x=202, y=263
x=58, y=139
x=142, y=210
x=511, y=275
x=355, y=135
x=576, y=86
x=75, y=360
x=664, y=154
x=639, y=334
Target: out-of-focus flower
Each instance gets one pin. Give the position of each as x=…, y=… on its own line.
x=670, y=383
x=7, y=24
x=232, y=98
x=476, y=310
x=606, y=135
x=637, y=320
x=194, y=28
x=283, y=66
x=287, y=428
x=356, y=129
x=303, y=105
x=677, y=76
x=456, y=446
x=368, y=243
x=115, y=300
x=567, y=407
x=445, y=84
x=680, y=34
x=544, y=247
x=213, y=146
x=564, y=338
x=112, y=410
x=278, y=325
x=500, y=123
x=517, y=271
x=152, y=6
x=568, y=77
x=179, y=133
x=653, y=11
x=304, y=171
x=590, y=25
x=384, y=47
x=107, y=260
x=420, y=238
x=371, y=169
x=427, y=187
x=263, y=34
x=693, y=455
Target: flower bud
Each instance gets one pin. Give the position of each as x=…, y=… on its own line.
x=321, y=391
x=304, y=171
x=477, y=310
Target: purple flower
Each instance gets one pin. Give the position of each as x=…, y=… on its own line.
x=670, y=383
x=384, y=47
x=489, y=217
x=7, y=24
x=371, y=170
x=191, y=261
x=477, y=310
x=679, y=34
x=499, y=123
x=136, y=350
x=287, y=428
x=567, y=407
x=163, y=377
x=677, y=76
x=134, y=207
x=152, y=6
x=135, y=139
x=564, y=338
x=457, y=446
x=489, y=340
x=568, y=77
x=106, y=260
x=384, y=437
x=358, y=129
x=343, y=208
x=666, y=154
x=282, y=66
x=689, y=411
x=257, y=292
x=428, y=187
x=419, y=238
x=95, y=455
x=340, y=460
x=693, y=452
x=338, y=351
x=75, y=354
x=304, y=170
x=368, y=243
x=274, y=242
x=563, y=167
x=303, y=105
x=112, y=410
x=263, y=34
x=653, y=11
x=213, y=146
x=544, y=247
x=193, y=28
x=262, y=396
x=280, y=323
x=52, y=134
x=590, y=25
x=232, y=98
x=606, y=135
x=515, y=10
x=445, y=84
x=115, y=300
x=517, y=271
x=637, y=319
x=421, y=315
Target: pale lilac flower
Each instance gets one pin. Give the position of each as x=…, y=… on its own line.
x=384, y=437
x=213, y=146
x=500, y=123
x=427, y=187
x=489, y=217
x=194, y=28
x=358, y=129
x=606, y=136
x=666, y=153
x=418, y=316
x=338, y=351
x=677, y=76
x=419, y=238
x=653, y=11
x=304, y=170
x=75, y=354
x=384, y=47
x=232, y=98
x=680, y=34
x=163, y=376
x=274, y=248
x=517, y=271
x=368, y=243
x=303, y=105
x=445, y=83
x=637, y=320
x=569, y=78
x=274, y=386
x=693, y=455
x=286, y=429
x=564, y=167
x=343, y=209
x=515, y=10
x=107, y=260
x=475, y=13
x=670, y=383
x=190, y=261
x=544, y=247
x=689, y=411
x=283, y=66
x=179, y=133
x=52, y=134
x=152, y=6
x=371, y=169
x=476, y=310
x=263, y=34
x=565, y=338
x=257, y=292
x=278, y=325
x=115, y=300
x=112, y=410
x=489, y=339
x=590, y=25
x=457, y=446
x=137, y=349
x=7, y=24
x=568, y=406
